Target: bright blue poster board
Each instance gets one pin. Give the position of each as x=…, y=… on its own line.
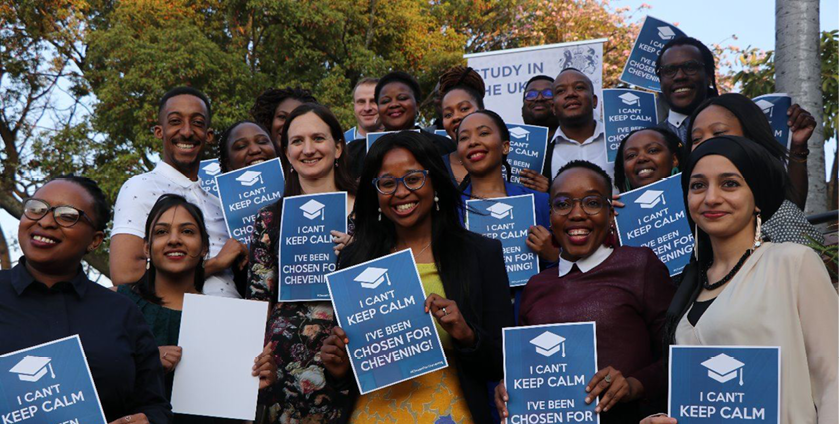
x=349, y=135
x=442, y=133
x=373, y=136
x=639, y=69
x=655, y=217
x=546, y=369
x=626, y=111
x=508, y=220
x=775, y=107
x=528, y=144
x=49, y=383
x=245, y=191
x=725, y=384
x=380, y=305
x=207, y=171
x=306, y=247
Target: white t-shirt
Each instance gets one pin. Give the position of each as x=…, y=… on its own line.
x=138, y=195
x=591, y=150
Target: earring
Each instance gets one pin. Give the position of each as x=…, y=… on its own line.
x=675, y=171
x=436, y=201
x=148, y=263
x=336, y=163
x=696, y=241
x=757, y=230
x=380, y=214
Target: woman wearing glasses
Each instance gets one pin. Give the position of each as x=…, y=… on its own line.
x=47, y=296
x=406, y=200
x=625, y=290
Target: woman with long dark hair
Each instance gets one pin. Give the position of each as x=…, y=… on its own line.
x=315, y=152
x=736, y=114
x=744, y=291
x=406, y=200
x=176, y=243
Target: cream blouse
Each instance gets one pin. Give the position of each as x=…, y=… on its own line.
x=782, y=296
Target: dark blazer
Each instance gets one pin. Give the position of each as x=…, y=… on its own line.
x=486, y=308
x=357, y=149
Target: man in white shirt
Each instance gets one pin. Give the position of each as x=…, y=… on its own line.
x=579, y=136
x=184, y=127
x=365, y=109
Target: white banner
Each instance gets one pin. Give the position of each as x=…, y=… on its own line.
x=505, y=72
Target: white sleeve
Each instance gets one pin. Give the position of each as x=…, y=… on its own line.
x=132, y=207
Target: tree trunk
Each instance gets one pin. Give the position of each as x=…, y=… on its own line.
x=798, y=73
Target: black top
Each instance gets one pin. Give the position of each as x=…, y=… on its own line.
x=357, y=149
x=120, y=349
x=697, y=310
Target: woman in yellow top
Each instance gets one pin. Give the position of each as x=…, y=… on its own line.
x=407, y=200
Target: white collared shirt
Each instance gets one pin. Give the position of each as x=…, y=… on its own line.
x=586, y=264
x=138, y=195
x=677, y=119
x=593, y=150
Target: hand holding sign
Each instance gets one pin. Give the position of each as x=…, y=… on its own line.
x=534, y=180
x=333, y=353
x=616, y=387
x=447, y=313
x=501, y=399
x=802, y=124
x=170, y=356
x=233, y=252
x=265, y=368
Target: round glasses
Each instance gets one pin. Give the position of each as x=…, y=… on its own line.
x=531, y=95
x=592, y=205
x=65, y=216
x=690, y=67
x=413, y=181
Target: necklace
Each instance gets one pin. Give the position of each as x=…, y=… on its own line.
x=727, y=277
x=420, y=252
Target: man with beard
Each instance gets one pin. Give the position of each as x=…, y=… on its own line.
x=537, y=109
x=579, y=136
x=184, y=127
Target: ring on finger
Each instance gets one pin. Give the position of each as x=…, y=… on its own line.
x=128, y=418
x=445, y=312
x=608, y=379
x=164, y=357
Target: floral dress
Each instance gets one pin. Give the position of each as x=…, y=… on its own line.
x=296, y=331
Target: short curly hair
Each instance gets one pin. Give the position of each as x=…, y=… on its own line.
x=266, y=104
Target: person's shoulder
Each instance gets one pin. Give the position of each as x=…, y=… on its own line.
x=637, y=257
x=139, y=181
x=481, y=245
x=786, y=252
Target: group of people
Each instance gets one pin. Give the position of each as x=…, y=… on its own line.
x=752, y=280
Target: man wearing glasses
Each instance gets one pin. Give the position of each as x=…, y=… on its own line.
x=537, y=109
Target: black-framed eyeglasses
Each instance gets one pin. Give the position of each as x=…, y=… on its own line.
x=592, y=205
x=690, y=67
x=531, y=95
x=65, y=216
x=413, y=181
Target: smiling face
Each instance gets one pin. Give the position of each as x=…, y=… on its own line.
x=397, y=107
x=714, y=121
x=248, y=144
x=405, y=208
x=184, y=131
x=574, y=100
x=365, y=108
x=312, y=150
x=457, y=104
x=540, y=110
x=280, y=115
x=46, y=244
x=175, y=245
x=647, y=159
x=719, y=200
x=682, y=92
x=578, y=233
x=479, y=145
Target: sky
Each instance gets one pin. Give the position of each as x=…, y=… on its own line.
x=711, y=21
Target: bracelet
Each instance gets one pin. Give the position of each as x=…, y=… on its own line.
x=800, y=157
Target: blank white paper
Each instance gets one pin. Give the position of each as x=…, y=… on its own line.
x=220, y=338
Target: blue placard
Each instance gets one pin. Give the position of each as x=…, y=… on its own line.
x=49, y=383
x=245, y=191
x=626, y=111
x=730, y=384
x=655, y=217
x=442, y=133
x=639, y=69
x=380, y=305
x=775, y=107
x=373, y=136
x=207, y=172
x=508, y=220
x=306, y=247
x=546, y=369
x=350, y=135
x=528, y=144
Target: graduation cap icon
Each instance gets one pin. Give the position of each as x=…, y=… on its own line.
x=766, y=107
x=32, y=368
x=724, y=368
x=519, y=132
x=665, y=32
x=630, y=99
x=313, y=209
x=650, y=199
x=549, y=343
x=250, y=178
x=500, y=210
x=212, y=168
x=373, y=277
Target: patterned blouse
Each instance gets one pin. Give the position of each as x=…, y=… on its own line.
x=296, y=331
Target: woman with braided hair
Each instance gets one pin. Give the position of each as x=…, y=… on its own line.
x=462, y=91
x=273, y=106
